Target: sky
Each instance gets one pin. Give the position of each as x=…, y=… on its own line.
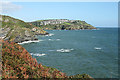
x=63, y=0
x=98, y=14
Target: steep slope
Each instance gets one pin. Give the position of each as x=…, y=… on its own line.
x=18, y=31
x=18, y=63
x=62, y=24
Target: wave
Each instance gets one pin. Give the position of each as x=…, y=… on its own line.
x=57, y=39
x=64, y=50
x=49, y=34
x=96, y=29
x=37, y=54
x=71, y=49
x=54, y=39
x=25, y=42
x=2, y=37
x=49, y=39
x=97, y=48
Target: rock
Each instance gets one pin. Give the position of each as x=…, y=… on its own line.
x=16, y=30
x=6, y=20
x=27, y=33
x=39, y=31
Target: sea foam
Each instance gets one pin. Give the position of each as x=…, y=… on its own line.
x=64, y=50
x=58, y=39
x=54, y=39
x=96, y=29
x=49, y=34
x=97, y=48
x=25, y=42
x=37, y=54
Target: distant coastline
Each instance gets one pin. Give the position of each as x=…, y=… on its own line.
x=62, y=24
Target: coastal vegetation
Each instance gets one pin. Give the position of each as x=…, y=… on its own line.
x=18, y=63
x=62, y=24
x=16, y=60
x=16, y=30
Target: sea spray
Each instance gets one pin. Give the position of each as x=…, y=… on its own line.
x=97, y=48
x=49, y=34
x=25, y=42
x=37, y=54
x=64, y=50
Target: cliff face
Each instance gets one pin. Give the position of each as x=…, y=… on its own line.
x=62, y=24
x=53, y=21
x=18, y=63
x=18, y=31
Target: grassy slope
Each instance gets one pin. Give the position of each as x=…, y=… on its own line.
x=18, y=63
x=77, y=24
x=16, y=28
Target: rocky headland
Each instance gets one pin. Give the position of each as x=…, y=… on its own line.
x=16, y=30
x=62, y=24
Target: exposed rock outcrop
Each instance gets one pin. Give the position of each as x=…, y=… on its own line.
x=16, y=30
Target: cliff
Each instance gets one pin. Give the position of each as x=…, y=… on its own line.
x=17, y=30
x=18, y=63
x=62, y=24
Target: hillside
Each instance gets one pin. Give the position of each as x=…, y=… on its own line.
x=18, y=63
x=17, y=30
x=62, y=24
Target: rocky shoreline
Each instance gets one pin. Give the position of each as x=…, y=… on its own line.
x=20, y=38
x=18, y=31
x=16, y=60
x=15, y=30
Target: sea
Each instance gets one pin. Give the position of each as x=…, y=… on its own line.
x=92, y=52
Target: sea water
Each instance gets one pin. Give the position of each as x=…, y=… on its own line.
x=93, y=52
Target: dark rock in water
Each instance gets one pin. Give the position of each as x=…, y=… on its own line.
x=36, y=39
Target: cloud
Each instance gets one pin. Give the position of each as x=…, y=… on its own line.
x=7, y=7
